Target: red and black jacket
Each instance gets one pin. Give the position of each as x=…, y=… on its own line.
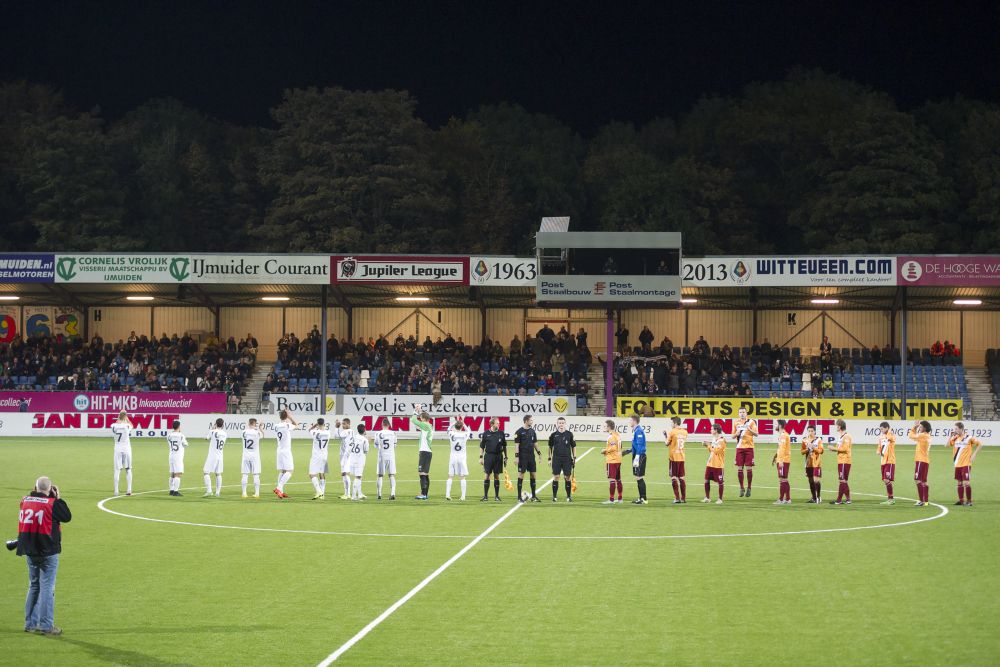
x=39, y=529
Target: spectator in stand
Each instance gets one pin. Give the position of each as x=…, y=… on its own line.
x=581, y=338
x=646, y=338
x=546, y=334
x=826, y=354
x=876, y=355
x=937, y=349
x=621, y=338
x=610, y=266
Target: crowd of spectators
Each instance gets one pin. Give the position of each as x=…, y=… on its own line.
x=138, y=363
x=550, y=362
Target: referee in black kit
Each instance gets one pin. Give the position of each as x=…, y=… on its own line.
x=562, y=456
x=493, y=457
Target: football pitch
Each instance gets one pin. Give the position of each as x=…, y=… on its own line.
x=156, y=580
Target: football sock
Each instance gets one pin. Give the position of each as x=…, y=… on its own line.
x=322, y=486
x=208, y=483
x=642, y=489
x=243, y=484
x=684, y=489
x=357, y=487
x=315, y=483
x=676, y=488
x=611, y=491
x=569, y=489
x=285, y=476
x=378, y=485
x=461, y=483
x=116, y=482
x=256, y=485
x=447, y=488
x=721, y=489
x=739, y=476
x=818, y=485
x=708, y=489
x=520, y=486
x=532, y=483
x=486, y=487
x=496, y=487
x=555, y=489
x=347, y=484
x=888, y=490
x=618, y=483
x=961, y=493
x=392, y=484
x=749, y=479
x=218, y=484
x=128, y=480
x=968, y=493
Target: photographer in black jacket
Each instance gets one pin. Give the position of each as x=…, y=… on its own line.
x=39, y=540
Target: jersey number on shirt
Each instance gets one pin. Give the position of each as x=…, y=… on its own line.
x=25, y=516
x=174, y=446
x=680, y=444
x=321, y=444
x=459, y=447
x=119, y=436
x=218, y=444
x=356, y=449
x=247, y=443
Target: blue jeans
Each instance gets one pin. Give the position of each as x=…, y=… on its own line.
x=39, y=608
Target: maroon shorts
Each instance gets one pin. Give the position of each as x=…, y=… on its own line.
x=962, y=473
x=713, y=474
x=843, y=471
x=782, y=470
x=814, y=472
x=744, y=456
x=889, y=472
x=677, y=468
x=614, y=470
x=920, y=471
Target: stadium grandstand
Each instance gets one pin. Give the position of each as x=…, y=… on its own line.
x=406, y=325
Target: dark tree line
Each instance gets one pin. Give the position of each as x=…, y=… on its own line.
x=812, y=163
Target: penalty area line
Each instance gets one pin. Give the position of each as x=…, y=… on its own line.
x=363, y=632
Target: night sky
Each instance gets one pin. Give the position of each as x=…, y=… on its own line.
x=584, y=62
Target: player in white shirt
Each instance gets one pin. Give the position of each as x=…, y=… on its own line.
x=318, y=466
x=458, y=466
x=283, y=432
x=177, y=444
x=213, y=462
x=357, y=456
x=121, y=430
x=385, y=442
x=342, y=430
x=251, y=457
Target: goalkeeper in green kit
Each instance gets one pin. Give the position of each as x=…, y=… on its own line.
x=422, y=421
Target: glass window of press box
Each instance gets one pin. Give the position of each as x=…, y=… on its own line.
x=609, y=262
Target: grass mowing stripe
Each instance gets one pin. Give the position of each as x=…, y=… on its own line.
x=363, y=632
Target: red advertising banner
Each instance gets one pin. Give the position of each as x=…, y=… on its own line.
x=399, y=270
x=949, y=270
x=114, y=402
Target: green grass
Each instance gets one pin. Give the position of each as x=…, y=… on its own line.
x=135, y=592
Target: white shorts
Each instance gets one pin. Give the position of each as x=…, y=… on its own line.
x=458, y=467
x=285, y=461
x=213, y=464
x=251, y=466
x=345, y=464
x=318, y=464
x=357, y=467
x=176, y=464
x=386, y=466
x=123, y=458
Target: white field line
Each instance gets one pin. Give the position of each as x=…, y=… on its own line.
x=363, y=632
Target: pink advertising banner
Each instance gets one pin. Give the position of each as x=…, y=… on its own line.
x=949, y=270
x=114, y=401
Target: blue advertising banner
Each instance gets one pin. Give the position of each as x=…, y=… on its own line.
x=27, y=268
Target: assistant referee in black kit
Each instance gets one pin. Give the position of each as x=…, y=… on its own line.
x=493, y=457
x=562, y=455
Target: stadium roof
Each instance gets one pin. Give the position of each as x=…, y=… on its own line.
x=238, y=294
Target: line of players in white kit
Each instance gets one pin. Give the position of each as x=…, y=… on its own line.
x=354, y=449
